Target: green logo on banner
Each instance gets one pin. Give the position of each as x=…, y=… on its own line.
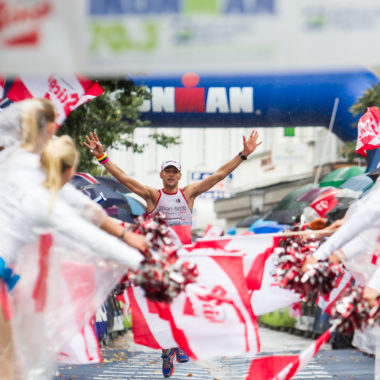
x=116, y=37
x=202, y=6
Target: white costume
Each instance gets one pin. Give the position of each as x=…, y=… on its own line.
x=77, y=273
x=359, y=239
x=20, y=170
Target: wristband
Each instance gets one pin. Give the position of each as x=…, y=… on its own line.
x=102, y=159
x=242, y=156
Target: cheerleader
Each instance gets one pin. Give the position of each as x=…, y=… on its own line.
x=25, y=128
x=356, y=245
x=37, y=336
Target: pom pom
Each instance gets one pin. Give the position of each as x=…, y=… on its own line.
x=320, y=277
x=352, y=311
x=162, y=275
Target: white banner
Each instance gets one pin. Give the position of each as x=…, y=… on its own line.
x=105, y=37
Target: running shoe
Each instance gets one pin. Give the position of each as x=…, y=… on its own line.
x=181, y=355
x=168, y=364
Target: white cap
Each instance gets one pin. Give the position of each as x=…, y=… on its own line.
x=167, y=163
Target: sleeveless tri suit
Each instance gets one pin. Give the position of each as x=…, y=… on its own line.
x=178, y=213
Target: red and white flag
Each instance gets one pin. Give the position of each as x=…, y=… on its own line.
x=212, y=232
x=258, y=266
x=67, y=92
x=368, y=131
x=83, y=348
x=235, y=284
x=218, y=305
x=326, y=303
x=285, y=367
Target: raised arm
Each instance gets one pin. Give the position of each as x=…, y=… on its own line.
x=249, y=146
x=146, y=192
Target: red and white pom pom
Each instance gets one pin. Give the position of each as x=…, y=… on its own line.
x=320, y=277
x=352, y=311
x=162, y=275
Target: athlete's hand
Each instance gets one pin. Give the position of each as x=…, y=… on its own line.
x=94, y=144
x=250, y=144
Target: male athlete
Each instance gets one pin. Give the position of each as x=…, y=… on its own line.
x=176, y=203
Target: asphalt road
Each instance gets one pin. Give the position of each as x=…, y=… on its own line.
x=127, y=361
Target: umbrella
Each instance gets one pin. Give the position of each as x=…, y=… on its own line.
x=83, y=179
x=114, y=184
x=288, y=209
x=136, y=207
x=267, y=226
x=360, y=182
x=345, y=198
x=312, y=194
x=373, y=174
x=247, y=222
x=334, y=199
x=284, y=216
x=339, y=176
x=290, y=200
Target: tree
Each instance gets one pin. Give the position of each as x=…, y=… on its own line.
x=114, y=116
x=370, y=98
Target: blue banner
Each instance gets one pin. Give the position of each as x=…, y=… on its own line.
x=197, y=100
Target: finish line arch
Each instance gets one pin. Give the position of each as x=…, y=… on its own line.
x=281, y=100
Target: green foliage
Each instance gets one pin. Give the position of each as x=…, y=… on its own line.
x=164, y=140
x=370, y=98
x=348, y=151
x=114, y=116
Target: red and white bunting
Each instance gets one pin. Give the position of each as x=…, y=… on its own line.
x=285, y=367
x=368, y=131
x=67, y=92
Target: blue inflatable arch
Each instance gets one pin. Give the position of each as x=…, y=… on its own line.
x=282, y=100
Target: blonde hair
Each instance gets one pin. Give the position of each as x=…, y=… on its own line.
x=35, y=114
x=59, y=155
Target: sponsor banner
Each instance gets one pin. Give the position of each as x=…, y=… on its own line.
x=40, y=36
x=102, y=37
x=199, y=100
x=230, y=35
